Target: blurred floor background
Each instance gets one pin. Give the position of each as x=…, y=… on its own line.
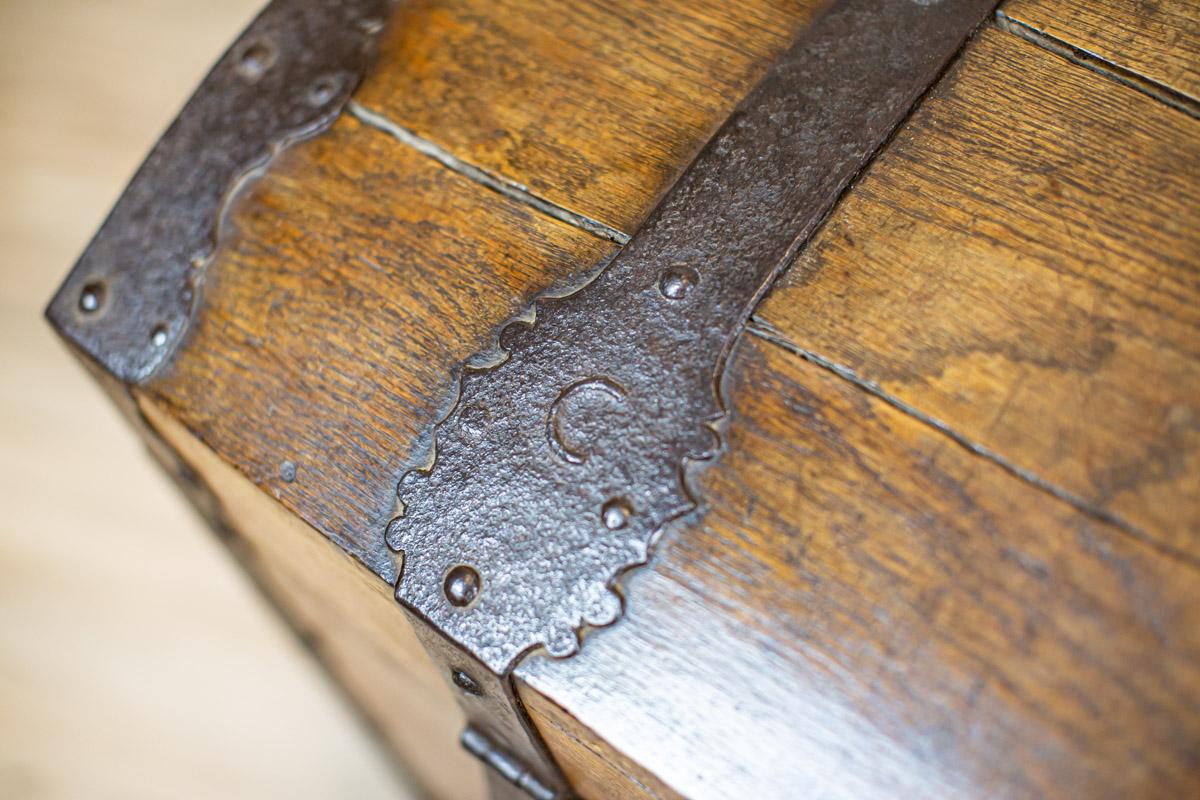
x=135, y=659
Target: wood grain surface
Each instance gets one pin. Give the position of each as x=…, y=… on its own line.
x=136, y=660
x=867, y=609
x=1022, y=266
x=1158, y=40
x=949, y=550
x=596, y=106
x=884, y=609
x=355, y=278
x=359, y=273
x=349, y=618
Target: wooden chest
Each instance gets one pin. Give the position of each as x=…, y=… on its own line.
x=697, y=399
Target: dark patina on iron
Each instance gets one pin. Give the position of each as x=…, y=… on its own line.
x=557, y=468
x=127, y=302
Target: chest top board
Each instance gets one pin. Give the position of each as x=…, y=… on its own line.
x=948, y=545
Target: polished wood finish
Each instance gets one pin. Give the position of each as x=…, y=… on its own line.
x=950, y=546
x=867, y=609
x=138, y=661
x=887, y=608
x=596, y=106
x=354, y=278
x=1159, y=40
x=351, y=282
x=1021, y=266
x=876, y=592
x=348, y=617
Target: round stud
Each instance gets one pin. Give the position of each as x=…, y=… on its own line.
x=462, y=585
x=256, y=60
x=91, y=298
x=677, y=281
x=465, y=682
x=324, y=90
x=158, y=336
x=615, y=514
x=287, y=471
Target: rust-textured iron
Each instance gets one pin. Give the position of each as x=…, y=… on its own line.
x=555, y=470
x=128, y=300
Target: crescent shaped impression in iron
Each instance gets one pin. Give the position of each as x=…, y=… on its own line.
x=576, y=452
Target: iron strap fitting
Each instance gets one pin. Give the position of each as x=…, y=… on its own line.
x=556, y=470
x=130, y=298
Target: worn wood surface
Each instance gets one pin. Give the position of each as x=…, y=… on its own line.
x=885, y=609
x=956, y=559
x=1158, y=40
x=136, y=660
x=348, y=617
x=358, y=274
x=1022, y=265
x=867, y=609
x=355, y=278
x=596, y=106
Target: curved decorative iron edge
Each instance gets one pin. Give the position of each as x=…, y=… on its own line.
x=128, y=300
x=532, y=526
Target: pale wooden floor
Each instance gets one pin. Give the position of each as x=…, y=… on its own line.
x=135, y=660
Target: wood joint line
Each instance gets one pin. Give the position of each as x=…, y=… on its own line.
x=497, y=183
x=764, y=330
x=1100, y=65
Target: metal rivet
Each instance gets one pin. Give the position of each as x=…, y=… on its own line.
x=158, y=336
x=462, y=585
x=287, y=471
x=465, y=682
x=370, y=25
x=615, y=514
x=677, y=281
x=91, y=298
x=256, y=60
x=324, y=90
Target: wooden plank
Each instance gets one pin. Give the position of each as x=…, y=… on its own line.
x=348, y=616
x=594, y=768
x=353, y=280
x=1159, y=41
x=596, y=106
x=1023, y=264
x=137, y=659
x=867, y=609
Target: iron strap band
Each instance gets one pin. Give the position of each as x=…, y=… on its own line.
x=556, y=470
x=129, y=299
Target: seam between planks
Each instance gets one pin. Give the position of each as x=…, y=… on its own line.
x=497, y=183
x=767, y=332
x=1101, y=66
